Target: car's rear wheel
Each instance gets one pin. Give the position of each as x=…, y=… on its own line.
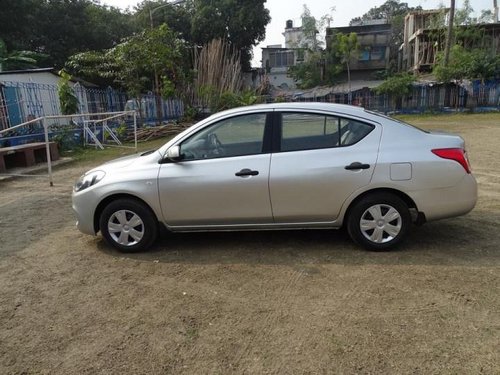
x=128, y=225
x=379, y=221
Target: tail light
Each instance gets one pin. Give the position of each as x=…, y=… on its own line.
x=457, y=154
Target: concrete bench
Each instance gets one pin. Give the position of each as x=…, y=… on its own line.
x=26, y=155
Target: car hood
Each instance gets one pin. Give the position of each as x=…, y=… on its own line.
x=126, y=161
x=122, y=162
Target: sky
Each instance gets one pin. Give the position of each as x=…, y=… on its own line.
x=343, y=11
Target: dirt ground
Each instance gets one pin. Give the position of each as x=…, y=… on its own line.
x=295, y=302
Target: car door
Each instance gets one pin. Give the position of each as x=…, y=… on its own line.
x=319, y=161
x=222, y=178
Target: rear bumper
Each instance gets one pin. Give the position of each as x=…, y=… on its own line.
x=447, y=202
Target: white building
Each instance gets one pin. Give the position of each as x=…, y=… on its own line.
x=277, y=59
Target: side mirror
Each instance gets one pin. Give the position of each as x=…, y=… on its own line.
x=174, y=153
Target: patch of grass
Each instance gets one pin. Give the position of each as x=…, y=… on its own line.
x=95, y=155
x=455, y=118
x=192, y=333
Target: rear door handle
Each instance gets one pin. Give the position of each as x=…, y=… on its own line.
x=356, y=165
x=246, y=172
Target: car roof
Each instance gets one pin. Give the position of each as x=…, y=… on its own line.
x=344, y=108
x=298, y=106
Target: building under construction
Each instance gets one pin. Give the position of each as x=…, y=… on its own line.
x=425, y=37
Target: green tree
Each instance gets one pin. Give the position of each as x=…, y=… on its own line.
x=487, y=16
x=17, y=22
x=132, y=63
x=348, y=48
x=464, y=15
x=309, y=31
x=177, y=17
x=318, y=67
x=467, y=53
x=397, y=87
x=468, y=64
x=308, y=73
x=12, y=60
x=484, y=65
x=242, y=23
x=387, y=11
x=73, y=26
x=60, y=28
x=67, y=97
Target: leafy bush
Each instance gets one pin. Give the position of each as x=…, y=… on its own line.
x=68, y=138
x=229, y=99
x=468, y=64
x=397, y=87
x=67, y=97
x=190, y=114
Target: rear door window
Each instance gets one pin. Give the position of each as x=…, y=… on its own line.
x=310, y=131
x=301, y=131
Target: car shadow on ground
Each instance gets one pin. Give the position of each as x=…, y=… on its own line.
x=460, y=241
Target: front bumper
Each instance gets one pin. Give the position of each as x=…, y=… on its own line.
x=84, y=213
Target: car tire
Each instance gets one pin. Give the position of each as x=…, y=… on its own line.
x=379, y=221
x=128, y=225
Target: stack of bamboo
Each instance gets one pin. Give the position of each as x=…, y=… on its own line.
x=147, y=134
x=218, y=70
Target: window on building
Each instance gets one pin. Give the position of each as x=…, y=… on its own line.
x=370, y=53
x=377, y=53
x=364, y=55
x=300, y=55
x=281, y=59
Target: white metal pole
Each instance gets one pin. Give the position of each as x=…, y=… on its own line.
x=47, y=149
x=84, y=133
x=135, y=131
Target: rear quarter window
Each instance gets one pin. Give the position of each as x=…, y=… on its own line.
x=352, y=131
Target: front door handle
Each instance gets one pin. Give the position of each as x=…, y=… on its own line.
x=356, y=166
x=246, y=172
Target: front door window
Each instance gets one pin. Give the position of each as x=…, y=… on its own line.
x=236, y=136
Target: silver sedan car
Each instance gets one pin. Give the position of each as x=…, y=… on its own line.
x=281, y=166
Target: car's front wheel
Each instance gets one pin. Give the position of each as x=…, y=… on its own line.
x=128, y=225
x=379, y=221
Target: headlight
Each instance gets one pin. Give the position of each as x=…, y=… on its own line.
x=88, y=180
